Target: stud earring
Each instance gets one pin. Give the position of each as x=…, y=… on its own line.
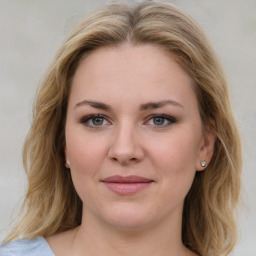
x=203, y=163
x=67, y=164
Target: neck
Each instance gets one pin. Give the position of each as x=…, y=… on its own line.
x=96, y=239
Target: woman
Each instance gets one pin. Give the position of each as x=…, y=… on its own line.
x=133, y=147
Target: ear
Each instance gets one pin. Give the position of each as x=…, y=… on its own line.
x=206, y=148
x=67, y=163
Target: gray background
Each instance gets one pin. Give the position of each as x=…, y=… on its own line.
x=31, y=33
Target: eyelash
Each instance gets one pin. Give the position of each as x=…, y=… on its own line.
x=85, y=120
x=171, y=120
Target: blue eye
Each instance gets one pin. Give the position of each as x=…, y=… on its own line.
x=94, y=120
x=161, y=120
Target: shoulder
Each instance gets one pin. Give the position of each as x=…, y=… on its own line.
x=29, y=247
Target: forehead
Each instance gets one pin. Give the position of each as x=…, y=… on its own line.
x=142, y=71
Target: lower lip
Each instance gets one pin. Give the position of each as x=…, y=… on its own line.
x=127, y=188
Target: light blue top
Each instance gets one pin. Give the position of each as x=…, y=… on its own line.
x=30, y=247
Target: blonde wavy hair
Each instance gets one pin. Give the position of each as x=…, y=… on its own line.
x=51, y=203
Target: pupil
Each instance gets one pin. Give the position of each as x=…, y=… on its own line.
x=159, y=121
x=97, y=121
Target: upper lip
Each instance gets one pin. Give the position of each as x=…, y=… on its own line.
x=127, y=179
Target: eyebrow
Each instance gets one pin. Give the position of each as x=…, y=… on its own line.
x=159, y=104
x=94, y=104
x=146, y=106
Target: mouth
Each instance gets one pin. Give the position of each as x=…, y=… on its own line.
x=126, y=185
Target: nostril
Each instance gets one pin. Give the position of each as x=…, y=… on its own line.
x=125, y=153
x=124, y=160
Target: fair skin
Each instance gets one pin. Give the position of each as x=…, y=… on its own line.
x=132, y=111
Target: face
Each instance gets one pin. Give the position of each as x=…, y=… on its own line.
x=134, y=137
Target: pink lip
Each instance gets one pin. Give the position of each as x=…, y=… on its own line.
x=126, y=185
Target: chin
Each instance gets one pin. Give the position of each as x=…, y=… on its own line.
x=128, y=217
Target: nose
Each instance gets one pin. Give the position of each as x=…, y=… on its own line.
x=126, y=147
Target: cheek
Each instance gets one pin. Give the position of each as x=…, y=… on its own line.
x=178, y=151
x=85, y=156
x=175, y=160
x=83, y=151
